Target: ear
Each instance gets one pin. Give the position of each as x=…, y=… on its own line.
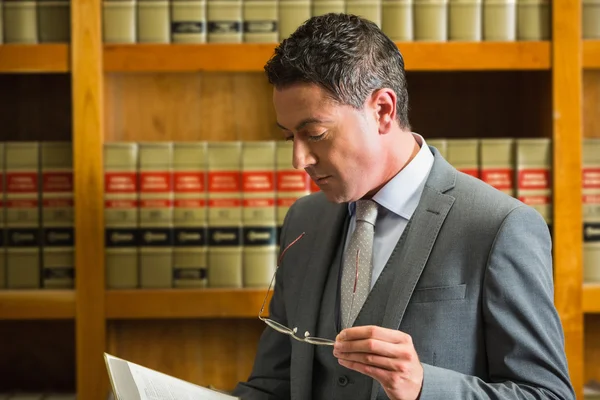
x=383, y=102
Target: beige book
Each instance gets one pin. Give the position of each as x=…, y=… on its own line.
x=260, y=21
x=258, y=213
x=121, y=215
x=534, y=178
x=2, y=225
x=533, y=19
x=224, y=21
x=54, y=21
x=368, y=9
x=292, y=13
x=499, y=20
x=465, y=20
x=431, y=20
x=188, y=21
x=321, y=7
x=58, y=261
x=397, y=19
x=156, y=214
x=20, y=21
x=189, y=215
x=591, y=19
x=441, y=145
x=119, y=21
x=463, y=154
x=153, y=20
x=22, y=215
x=497, y=160
x=591, y=210
x=224, y=214
x=291, y=184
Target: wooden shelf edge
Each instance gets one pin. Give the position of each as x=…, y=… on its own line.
x=34, y=58
x=184, y=303
x=248, y=57
x=591, y=54
x=591, y=298
x=37, y=304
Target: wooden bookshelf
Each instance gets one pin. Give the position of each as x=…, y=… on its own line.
x=37, y=304
x=591, y=298
x=39, y=58
x=591, y=54
x=184, y=303
x=247, y=57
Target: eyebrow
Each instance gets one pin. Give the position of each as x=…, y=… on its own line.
x=304, y=123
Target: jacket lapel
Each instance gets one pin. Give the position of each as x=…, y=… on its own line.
x=411, y=258
x=326, y=239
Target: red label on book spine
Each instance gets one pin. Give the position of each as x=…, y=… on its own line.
x=189, y=182
x=156, y=182
x=591, y=178
x=224, y=182
x=500, y=178
x=293, y=181
x=538, y=178
x=21, y=182
x=120, y=182
x=57, y=182
x=258, y=181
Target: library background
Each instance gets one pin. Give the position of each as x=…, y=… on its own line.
x=130, y=129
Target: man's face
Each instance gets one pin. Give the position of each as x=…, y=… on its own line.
x=337, y=145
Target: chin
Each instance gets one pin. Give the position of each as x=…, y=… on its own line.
x=336, y=197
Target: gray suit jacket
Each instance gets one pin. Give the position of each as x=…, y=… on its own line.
x=474, y=289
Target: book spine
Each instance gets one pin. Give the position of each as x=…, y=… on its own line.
x=121, y=215
x=156, y=214
x=189, y=216
x=260, y=226
x=463, y=154
x=22, y=215
x=497, y=164
x=260, y=21
x=224, y=18
x=58, y=264
x=591, y=210
x=21, y=21
x=188, y=21
x=224, y=215
x=534, y=175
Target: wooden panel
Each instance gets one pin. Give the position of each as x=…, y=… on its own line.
x=207, y=352
x=567, y=216
x=88, y=124
x=592, y=347
x=480, y=104
x=591, y=298
x=35, y=107
x=37, y=356
x=184, y=303
x=16, y=58
x=252, y=57
x=591, y=104
x=37, y=304
x=189, y=107
x=591, y=54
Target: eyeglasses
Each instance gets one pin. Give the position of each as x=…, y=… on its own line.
x=282, y=328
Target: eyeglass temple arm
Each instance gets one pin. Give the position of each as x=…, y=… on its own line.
x=277, y=267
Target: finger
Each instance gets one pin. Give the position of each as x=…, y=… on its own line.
x=381, y=375
x=386, y=363
x=373, y=332
x=376, y=347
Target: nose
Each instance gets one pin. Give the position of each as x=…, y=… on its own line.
x=303, y=156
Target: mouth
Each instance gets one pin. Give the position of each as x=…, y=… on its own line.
x=321, y=179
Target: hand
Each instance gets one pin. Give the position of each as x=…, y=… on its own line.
x=386, y=355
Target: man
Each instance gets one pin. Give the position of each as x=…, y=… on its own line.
x=432, y=284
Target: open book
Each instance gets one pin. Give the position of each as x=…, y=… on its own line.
x=133, y=382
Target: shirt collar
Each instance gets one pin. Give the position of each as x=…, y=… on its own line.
x=402, y=193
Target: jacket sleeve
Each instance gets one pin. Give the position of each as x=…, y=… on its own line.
x=523, y=332
x=270, y=376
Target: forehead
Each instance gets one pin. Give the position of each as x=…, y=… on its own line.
x=301, y=101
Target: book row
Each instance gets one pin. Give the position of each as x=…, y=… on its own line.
x=269, y=21
x=32, y=21
x=208, y=214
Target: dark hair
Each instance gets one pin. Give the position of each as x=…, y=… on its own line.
x=348, y=56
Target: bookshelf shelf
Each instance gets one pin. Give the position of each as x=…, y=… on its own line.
x=184, y=303
x=591, y=54
x=38, y=58
x=37, y=304
x=591, y=298
x=421, y=56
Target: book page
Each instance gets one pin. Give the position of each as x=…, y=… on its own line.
x=154, y=385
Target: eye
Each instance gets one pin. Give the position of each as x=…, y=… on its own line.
x=316, y=138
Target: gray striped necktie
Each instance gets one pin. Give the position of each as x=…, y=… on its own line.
x=358, y=265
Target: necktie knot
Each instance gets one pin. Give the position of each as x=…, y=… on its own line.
x=366, y=210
